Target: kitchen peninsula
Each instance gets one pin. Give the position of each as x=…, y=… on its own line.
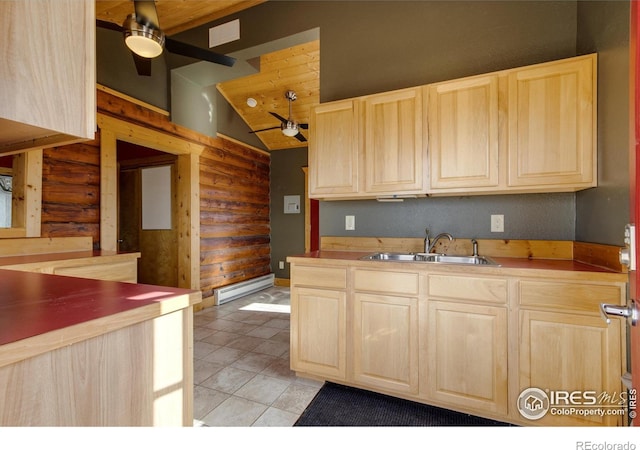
x=86, y=352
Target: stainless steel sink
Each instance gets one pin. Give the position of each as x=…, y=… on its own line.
x=431, y=258
x=447, y=259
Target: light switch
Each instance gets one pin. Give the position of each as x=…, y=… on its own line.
x=350, y=222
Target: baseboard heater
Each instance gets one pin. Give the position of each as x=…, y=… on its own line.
x=233, y=291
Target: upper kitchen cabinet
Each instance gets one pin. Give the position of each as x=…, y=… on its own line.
x=552, y=125
x=393, y=150
x=47, y=75
x=463, y=118
x=368, y=147
x=334, y=161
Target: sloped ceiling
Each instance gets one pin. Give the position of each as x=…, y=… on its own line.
x=295, y=68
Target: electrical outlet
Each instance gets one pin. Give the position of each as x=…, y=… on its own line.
x=280, y=265
x=350, y=223
x=497, y=223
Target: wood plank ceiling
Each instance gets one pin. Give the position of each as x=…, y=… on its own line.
x=295, y=68
x=175, y=15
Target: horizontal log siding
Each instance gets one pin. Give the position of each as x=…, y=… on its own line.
x=234, y=215
x=234, y=196
x=71, y=191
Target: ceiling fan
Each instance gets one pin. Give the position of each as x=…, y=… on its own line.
x=145, y=39
x=288, y=126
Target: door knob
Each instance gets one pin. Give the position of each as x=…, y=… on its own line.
x=630, y=312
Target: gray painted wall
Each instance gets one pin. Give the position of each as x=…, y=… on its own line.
x=287, y=230
x=601, y=213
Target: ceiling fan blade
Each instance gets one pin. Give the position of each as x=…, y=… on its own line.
x=279, y=117
x=264, y=129
x=300, y=137
x=143, y=65
x=304, y=126
x=146, y=13
x=180, y=48
x=108, y=25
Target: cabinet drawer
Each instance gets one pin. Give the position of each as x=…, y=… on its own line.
x=407, y=283
x=326, y=277
x=569, y=295
x=468, y=288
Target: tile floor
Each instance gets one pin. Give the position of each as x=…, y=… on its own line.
x=241, y=364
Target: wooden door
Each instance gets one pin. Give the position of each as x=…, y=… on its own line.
x=394, y=154
x=463, y=119
x=334, y=162
x=467, y=355
x=385, y=343
x=158, y=264
x=552, y=124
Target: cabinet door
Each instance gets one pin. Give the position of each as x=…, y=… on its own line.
x=552, y=125
x=463, y=120
x=333, y=150
x=48, y=77
x=385, y=343
x=467, y=356
x=394, y=154
x=318, y=332
x=570, y=352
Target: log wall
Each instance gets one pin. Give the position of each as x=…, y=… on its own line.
x=234, y=196
x=71, y=191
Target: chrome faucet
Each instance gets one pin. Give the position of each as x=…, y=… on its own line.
x=429, y=244
x=475, y=247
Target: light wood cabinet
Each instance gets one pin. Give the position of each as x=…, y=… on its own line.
x=318, y=322
x=334, y=146
x=385, y=330
x=463, y=118
x=393, y=150
x=469, y=339
x=566, y=346
x=523, y=130
x=552, y=125
x=47, y=86
x=368, y=147
x=467, y=355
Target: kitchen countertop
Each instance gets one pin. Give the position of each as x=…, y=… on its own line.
x=63, y=256
x=61, y=310
x=508, y=266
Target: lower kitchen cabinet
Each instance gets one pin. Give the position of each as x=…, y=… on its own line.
x=467, y=339
x=467, y=356
x=570, y=353
x=318, y=332
x=385, y=342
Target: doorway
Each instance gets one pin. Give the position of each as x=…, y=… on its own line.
x=147, y=221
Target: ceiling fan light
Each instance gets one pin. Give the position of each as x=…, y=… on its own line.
x=141, y=39
x=290, y=129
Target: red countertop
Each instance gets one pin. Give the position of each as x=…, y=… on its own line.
x=505, y=263
x=32, y=304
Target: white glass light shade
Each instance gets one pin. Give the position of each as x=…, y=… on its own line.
x=141, y=39
x=290, y=128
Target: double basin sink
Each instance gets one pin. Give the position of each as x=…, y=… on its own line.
x=431, y=258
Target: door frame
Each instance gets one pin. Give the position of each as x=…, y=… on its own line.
x=188, y=189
